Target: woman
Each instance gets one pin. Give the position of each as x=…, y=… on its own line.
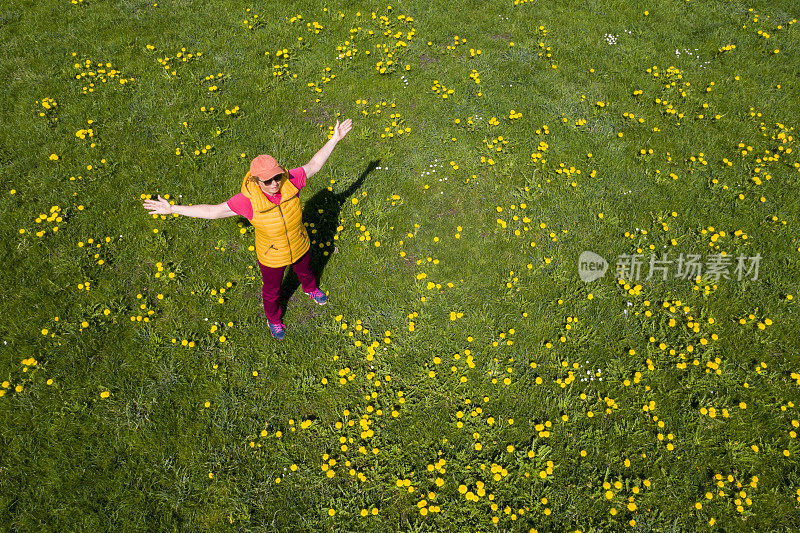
x=269, y=199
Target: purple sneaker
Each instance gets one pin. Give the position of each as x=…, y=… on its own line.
x=278, y=330
x=318, y=296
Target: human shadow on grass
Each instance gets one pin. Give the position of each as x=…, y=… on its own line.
x=321, y=228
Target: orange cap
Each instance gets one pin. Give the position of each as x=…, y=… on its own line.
x=264, y=167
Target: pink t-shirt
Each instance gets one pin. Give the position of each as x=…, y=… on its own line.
x=240, y=204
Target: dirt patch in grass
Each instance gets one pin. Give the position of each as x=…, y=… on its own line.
x=424, y=59
x=316, y=113
x=305, y=311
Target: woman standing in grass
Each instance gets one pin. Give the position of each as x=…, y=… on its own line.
x=269, y=198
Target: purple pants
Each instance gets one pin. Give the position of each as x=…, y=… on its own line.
x=272, y=284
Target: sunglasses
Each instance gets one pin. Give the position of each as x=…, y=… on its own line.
x=276, y=179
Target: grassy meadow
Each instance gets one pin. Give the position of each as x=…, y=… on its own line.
x=463, y=376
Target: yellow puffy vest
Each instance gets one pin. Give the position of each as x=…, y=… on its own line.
x=281, y=237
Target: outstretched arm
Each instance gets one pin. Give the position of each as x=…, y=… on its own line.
x=339, y=131
x=163, y=207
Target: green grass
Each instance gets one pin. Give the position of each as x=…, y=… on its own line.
x=498, y=368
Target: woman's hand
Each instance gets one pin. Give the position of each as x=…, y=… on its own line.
x=340, y=130
x=159, y=207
